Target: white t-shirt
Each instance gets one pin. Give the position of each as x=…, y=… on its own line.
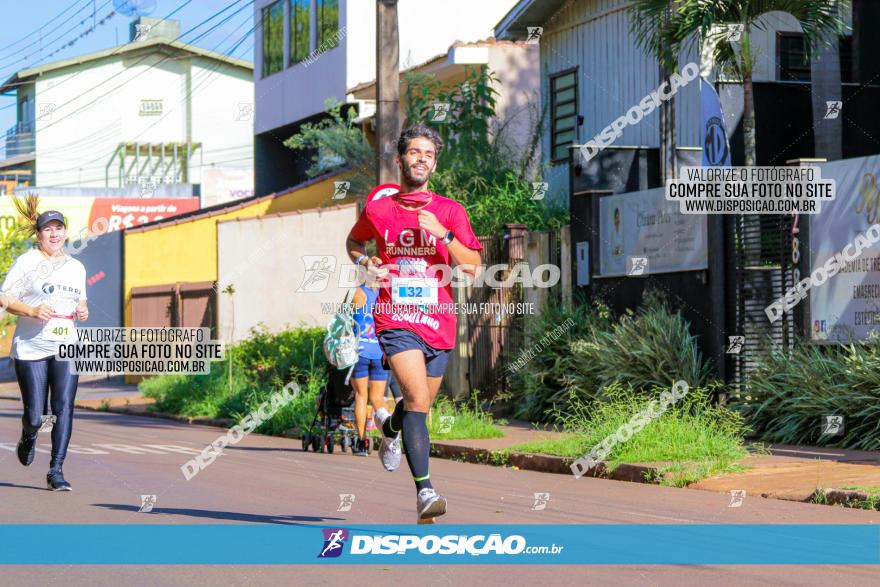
x=36, y=279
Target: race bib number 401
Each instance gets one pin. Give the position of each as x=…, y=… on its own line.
x=420, y=291
x=58, y=328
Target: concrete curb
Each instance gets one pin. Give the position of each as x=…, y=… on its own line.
x=198, y=420
x=542, y=463
x=845, y=497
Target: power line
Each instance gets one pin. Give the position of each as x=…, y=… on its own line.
x=116, y=52
x=42, y=34
x=106, y=94
x=40, y=30
x=195, y=87
x=141, y=60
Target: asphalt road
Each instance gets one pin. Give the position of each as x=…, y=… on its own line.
x=115, y=459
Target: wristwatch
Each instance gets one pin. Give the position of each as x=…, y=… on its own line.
x=448, y=238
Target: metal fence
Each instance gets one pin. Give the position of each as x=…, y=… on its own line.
x=495, y=339
x=759, y=270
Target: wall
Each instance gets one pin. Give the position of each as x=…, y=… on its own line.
x=268, y=273
x=518, y=103
x=185, y=250
x=427, y=29
x=222, y=119
x=613, y=76
x=102, y=258
x=95, y=106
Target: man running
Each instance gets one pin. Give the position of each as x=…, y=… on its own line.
x=417, y=233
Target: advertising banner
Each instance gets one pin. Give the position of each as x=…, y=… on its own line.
x=847, y=306
x=644, y=225
x=81, y=212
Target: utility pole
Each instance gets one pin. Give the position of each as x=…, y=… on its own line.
x=387, y=91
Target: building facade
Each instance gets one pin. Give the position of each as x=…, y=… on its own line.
x=149, y=113
x=309, y=51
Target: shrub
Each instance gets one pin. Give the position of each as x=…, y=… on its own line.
x=261, y=365
x=641, y=350
x=790, y=392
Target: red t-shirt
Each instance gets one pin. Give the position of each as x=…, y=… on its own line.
x=414, y=252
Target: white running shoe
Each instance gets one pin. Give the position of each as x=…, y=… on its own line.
x=389, y=449
x=379, y=417
x=429, y=504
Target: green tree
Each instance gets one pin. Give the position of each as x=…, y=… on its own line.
x=336, y=141
x=479, y=166
x=13, y=242
x=708, y=23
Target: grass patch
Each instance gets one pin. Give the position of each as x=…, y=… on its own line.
x=261, y=366
x=693, y=438
x=456, y=420
x=871, y=501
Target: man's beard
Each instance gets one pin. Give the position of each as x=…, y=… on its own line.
x=406, y=171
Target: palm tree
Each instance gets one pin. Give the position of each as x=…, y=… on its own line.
x=649, y=23
x=707, y=22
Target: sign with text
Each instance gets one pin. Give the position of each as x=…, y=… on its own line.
x=644, y=225
x=82, y=212
x=847, y=306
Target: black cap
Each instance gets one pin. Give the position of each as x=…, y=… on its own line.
x=48, y=216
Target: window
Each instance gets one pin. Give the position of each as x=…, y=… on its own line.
x=300, y=16
x=792, y=63
x=151, y=108
x=563, y=113
x=328, y=24
x=273, y=38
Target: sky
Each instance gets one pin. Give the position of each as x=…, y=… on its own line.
x=44, y=27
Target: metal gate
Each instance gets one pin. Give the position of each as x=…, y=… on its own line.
x=494, y=338
x=187, y=305
x=759, y=270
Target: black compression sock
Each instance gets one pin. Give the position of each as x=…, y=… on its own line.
x=417, y=446
x=394, y=424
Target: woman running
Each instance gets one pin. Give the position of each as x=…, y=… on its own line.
x=369, y=377
x=417, y=233
x=46, y=289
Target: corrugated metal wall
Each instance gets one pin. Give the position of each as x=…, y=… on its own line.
x=613, y=74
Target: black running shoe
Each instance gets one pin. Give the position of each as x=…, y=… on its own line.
x=26, y=448
x=55, y=481
x=360, y=448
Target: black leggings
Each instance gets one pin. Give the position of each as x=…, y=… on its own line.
x=35, y=378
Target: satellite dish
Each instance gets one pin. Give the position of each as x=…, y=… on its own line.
x=134, y=7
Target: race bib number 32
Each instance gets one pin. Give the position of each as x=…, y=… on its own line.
x=420, y=291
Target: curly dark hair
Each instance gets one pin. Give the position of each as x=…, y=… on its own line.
x=419, y=130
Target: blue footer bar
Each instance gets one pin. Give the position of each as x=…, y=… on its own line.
x=277, y=544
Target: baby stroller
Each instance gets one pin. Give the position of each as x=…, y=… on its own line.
x=336, y=414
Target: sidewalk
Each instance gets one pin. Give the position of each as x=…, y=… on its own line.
x=93, y=392
x=788, y=472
